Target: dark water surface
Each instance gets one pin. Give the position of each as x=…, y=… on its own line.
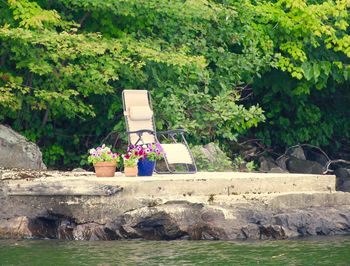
x=314, y=251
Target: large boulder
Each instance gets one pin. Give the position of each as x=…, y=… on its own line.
x=17, y=152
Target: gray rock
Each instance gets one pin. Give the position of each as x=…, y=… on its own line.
x=342, y=173
x=295, y=165
x=298, y=152
x=78, y=170
x=278, y=170
x=248, y=152
x=267, y=164
x=26, y=227
x=343, y=179
x=211, y=158
x=188, y=221
x=93, y=231
x=344, y=186
x=282, y=162
x=17, y=152
x=315, y=154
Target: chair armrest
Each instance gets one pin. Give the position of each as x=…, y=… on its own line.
x=174, y=131
x=140, y=132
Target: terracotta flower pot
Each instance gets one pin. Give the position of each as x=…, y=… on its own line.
x=131, y=171
x=105, y=169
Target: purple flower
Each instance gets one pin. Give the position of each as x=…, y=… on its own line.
x=131, y=147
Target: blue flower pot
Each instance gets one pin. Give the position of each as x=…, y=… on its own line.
x=146, y=167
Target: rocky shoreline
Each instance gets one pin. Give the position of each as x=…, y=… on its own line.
x=182, y=220
x=110, y=212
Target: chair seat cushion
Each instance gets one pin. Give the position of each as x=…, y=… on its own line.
x=138, y=113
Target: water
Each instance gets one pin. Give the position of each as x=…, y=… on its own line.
x=319, y=251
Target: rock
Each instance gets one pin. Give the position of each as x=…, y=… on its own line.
x=251, y=231
x=282, y=162
x=342, y=173
x=272, y=232
x=188, y=221
x=298, y=152
x=17, y=152
x=278, y=170
x=267, y=164
x=295, y=165
x=248, y=152
x=343, y=179
x=315, y=221
x=212, y=223
x=315, y=154
x=93, y=231
x=78, y=170
x=303, y=159
x=65, y=230
x=164, y=222
x=25, y=227
x=211, y=158
x=346, y=186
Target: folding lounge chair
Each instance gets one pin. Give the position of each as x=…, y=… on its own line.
x=141, y=130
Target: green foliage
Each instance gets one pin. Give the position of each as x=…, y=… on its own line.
x=63, y=65
x=304, y=93
x=251, y=166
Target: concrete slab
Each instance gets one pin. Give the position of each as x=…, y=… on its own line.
x=200, y=184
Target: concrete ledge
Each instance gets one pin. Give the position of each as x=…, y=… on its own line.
x=200, y=184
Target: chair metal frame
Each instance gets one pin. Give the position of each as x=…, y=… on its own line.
x=168, y=134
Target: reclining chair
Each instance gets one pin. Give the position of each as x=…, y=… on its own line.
x=141, y=130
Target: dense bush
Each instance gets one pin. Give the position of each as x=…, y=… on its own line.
x=63, y=65
x=305, y=96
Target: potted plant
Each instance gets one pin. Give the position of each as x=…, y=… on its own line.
x=130, y=161
x=104, y=161
x=149, y=154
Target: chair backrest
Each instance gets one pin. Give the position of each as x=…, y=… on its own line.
x=138, y=115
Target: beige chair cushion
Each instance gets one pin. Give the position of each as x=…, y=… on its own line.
x=139, y=113
x=177, y=153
